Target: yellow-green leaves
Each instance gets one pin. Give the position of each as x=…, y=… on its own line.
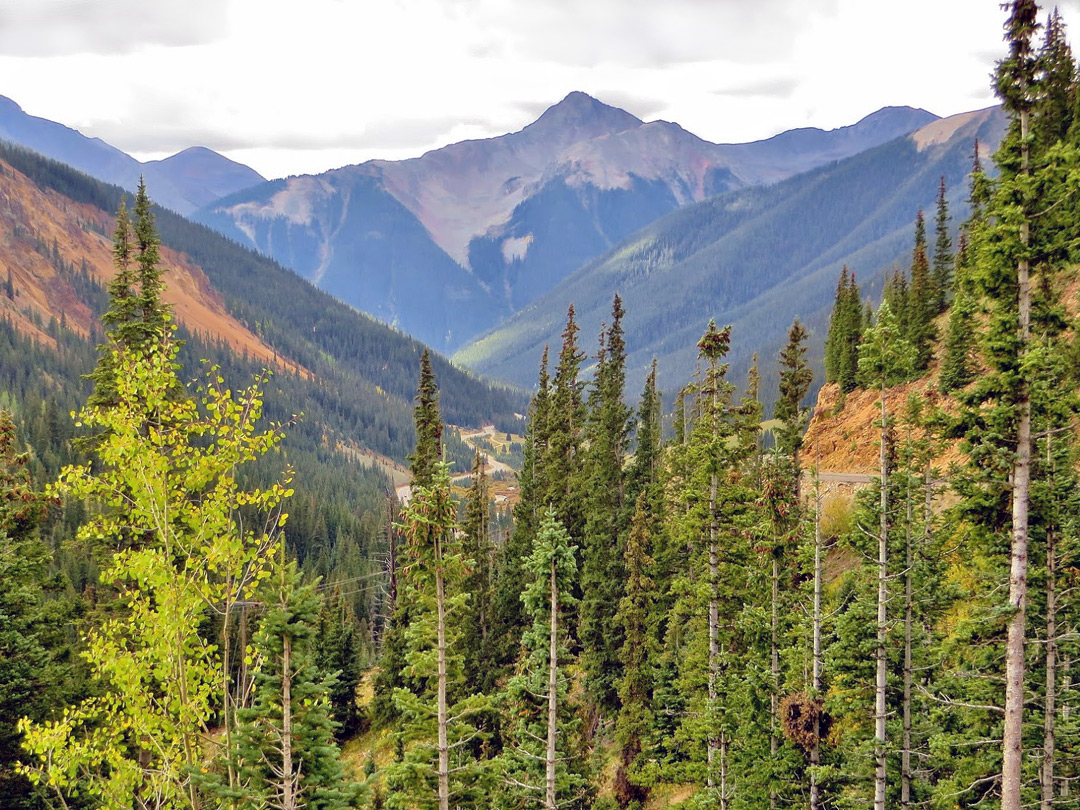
x=170, y=507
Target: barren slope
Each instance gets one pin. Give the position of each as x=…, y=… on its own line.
x=47, y=241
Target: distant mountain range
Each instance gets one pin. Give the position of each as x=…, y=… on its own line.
x=479, y=246
x=183, y=182
x=446, y=245
x=755, y=258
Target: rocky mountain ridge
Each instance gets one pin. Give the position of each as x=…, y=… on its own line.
x=511, y=216
x=756, y=258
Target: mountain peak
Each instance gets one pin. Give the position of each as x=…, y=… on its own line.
x=581, y=112
x=891, y=117
x=7, y=105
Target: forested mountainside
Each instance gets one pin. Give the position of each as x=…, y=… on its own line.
x=342, y=384
x=364, y=373
x=699, y=619
x=491, y=224
x=755, y=258
x=183, y=182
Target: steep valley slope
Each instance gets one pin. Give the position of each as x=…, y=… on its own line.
x=353, y=377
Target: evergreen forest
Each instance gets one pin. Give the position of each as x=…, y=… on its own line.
x=203, y=604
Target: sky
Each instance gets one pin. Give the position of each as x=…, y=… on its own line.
x=302, y=86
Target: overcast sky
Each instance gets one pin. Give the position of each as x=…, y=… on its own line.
x=295, y=86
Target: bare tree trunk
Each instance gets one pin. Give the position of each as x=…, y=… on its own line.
x=882, y=597
x=444, y=745
x=774, y=665
x=553, y=685
x=1012, y=737
x=909, y=559
x=288, y=778
x=227, y=692
x=815, y=681
x=714, y=631
x=1049, y=746
x=391, y=563
x=723, y=772
x=1066, y=710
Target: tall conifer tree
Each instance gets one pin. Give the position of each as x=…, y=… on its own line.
x=602, y=565
x=564, y=461
x=532, y=488
x=542, y=761
x=284, y=747
x=942, y=272
x=478, y=634
x=429, y=427
x=634, y=724
x=923, y=300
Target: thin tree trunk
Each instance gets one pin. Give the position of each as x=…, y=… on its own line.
x=905, y=756
x=1049, y=746
x=288, y=778
x=553, y=685
x=815, y=681
x=1066, y=711
x=882, y=596
x=226, y=693
x=444, y=745
x=714, y=631
x=391, y=563
x=774, y=664
x=245, y=676
x=1012, y=737
x=723, y=772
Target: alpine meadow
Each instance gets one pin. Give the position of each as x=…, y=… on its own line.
x=731, y=550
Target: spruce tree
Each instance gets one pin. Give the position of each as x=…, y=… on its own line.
x=702, y=639
x=885, y=358
x=1016, y=85
x=441, y=720
x=634, y=724
x=923, y=300
x=942, y=272
x=542, y=762
x=137, y=319
x=1054, y=116
x=423, y=462
x=563, y=463
x=528, y=512
x=602, y=566
x=899, y=297
x=151, y=313
x=644, y=472
x=795, y=379
x=845, y=329
x=478, y=634
x=833, y=339
x=429, y=427
x=284, y=747
x=957, y=362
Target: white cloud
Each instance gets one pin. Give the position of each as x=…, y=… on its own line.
x=305, y=86
x=60, y=27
